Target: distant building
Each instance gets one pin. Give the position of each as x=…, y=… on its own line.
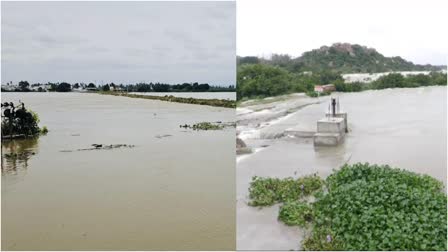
x=324, y=88
x=116, y=88
x=9, y=87
x=40, y=87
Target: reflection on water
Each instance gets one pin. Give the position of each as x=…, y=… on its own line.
x=16, y=154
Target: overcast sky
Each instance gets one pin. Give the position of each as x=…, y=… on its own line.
x=123, y=42
x=414, y=30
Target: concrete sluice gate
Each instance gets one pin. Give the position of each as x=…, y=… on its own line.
x=332, y=128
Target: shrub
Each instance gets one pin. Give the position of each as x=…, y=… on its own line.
x=44, y=130
x=312, y=94
x=19, y=121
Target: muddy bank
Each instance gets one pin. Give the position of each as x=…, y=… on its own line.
x=401, y=127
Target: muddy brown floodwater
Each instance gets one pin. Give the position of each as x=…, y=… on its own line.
x=404, y=128
x=175, y=192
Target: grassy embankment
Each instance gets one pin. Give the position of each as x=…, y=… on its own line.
x=170, y=98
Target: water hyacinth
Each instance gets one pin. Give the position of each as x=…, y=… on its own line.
x=268, y=191
x=361, y=207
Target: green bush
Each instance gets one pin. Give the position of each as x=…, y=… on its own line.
x=312, y=94
x=394, y=80
x=207, y=126
x=44, y=130
x=21, y=122
x=349, y=87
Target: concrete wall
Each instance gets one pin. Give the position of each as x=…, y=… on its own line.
x=331, y=125
x=340, y=115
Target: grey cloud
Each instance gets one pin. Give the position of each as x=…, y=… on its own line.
x=119, y=41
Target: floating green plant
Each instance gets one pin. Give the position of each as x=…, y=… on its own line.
x=208, y=125
x=296, y=213
x=363, y=207
x=268, y=191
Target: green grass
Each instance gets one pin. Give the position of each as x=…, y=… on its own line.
x=170, y=98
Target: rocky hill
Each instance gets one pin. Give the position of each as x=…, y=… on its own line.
x=343, y=58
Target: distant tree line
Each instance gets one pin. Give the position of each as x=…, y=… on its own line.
x=395, y=80
x=24, y=86
x=264, y=80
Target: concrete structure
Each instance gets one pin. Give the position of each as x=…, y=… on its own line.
x=327, y=139
x=340, y=115
x=331, y=129
x=331, y=125
x=324, y=88
x=299, y=132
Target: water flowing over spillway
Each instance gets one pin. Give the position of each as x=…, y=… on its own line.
x=403, y=127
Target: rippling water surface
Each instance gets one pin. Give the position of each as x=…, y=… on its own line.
x=174, y=190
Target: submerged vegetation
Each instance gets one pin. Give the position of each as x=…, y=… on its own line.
x=208, y=126
x=20, y=122
x=170, y=98
x=268, y=191
x=361, y=207
x=102, y=147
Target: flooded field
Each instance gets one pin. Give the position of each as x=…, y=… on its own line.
x=406, y=128
x=196, y=95
x=164, y=190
